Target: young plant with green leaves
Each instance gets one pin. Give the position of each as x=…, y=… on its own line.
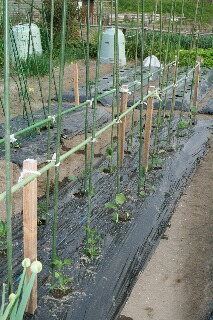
x=92, y=245
x=109, y=152
x=3, y=233
x=117, y=208
x=61, y=280
x=17, y=302
x=41, y=214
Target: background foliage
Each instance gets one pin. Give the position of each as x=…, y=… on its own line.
x=189, y=8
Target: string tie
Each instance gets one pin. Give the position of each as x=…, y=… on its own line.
x=27, y=171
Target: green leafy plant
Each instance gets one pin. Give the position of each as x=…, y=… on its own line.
x=41, y=212
x=116, y=206
x=142, y=193
x=3, y=233
x=15, y=308
x=194, y=110
x=61, y=279
x=183, y=124
x=154, y=188
x=110, y=167
x=91, y=248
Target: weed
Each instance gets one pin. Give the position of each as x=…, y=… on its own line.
x=38, y=64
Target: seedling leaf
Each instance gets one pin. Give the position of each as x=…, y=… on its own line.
x=120, y=198
x=154, y=188
x=109, y=151
x=142, y=193
x=67, y=261
x=110, y=205
x=183, y=124
x=116, y=218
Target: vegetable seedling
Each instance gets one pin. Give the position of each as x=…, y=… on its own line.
x=61, y=280
x=91, y=247
x=116, y=206
x=3, y=237
x=110, y=168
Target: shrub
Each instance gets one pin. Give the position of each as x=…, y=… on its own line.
x=206, y=54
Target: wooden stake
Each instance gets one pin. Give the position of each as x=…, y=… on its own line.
x=196, y=84
x=148, y=129
x=123, y=108
x=30, y=227
x=76, y=90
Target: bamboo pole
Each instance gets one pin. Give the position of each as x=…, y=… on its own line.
x=148, y=128
x=123, y=108
x=196, y=82
x=30, y=226
x=76, y=90
x=7, y=140
x=174, y=87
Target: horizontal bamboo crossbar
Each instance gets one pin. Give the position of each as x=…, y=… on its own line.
x=24, y=182
x=83, y=104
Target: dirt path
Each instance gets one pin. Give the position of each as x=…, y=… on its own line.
x=177, y=282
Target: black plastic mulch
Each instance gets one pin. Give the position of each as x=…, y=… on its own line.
x=127, y=75
x=208, y=109
x=34, y=145
x=102, y=286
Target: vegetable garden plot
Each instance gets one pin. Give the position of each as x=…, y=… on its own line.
x=33, y=144
x=127, y=75
x=109, y=218
x=125, y=247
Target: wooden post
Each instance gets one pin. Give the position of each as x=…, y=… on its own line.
x=196, y=84
x=148, y=129
x=30, y=227
x=123, y=108
x=76, y=90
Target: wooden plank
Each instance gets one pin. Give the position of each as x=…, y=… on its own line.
x=30, y=226
x=76, y=90
x=196, y=84
x=148, y=129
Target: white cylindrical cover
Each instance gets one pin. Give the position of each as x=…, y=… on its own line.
x=24, y=37
x=151, y=61
x=107, y=47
